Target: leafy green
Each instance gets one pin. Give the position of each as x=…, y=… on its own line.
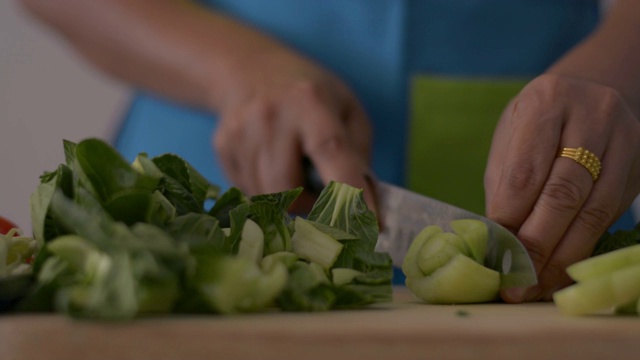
x=343, y=207
x=119, y=240
x=621, y=238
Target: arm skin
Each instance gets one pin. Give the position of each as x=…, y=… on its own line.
x=275, y=105
x=173, y=48
x=610, y=57
x=589, y=98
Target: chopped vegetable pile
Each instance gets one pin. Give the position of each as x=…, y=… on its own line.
x=605, y=282
x=118, y=240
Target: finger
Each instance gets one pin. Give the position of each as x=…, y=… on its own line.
x=533, y=139
x=227, y=138
x=497, y=152
x=255, y=152
x=561, y=199
x=280, y=159
x=602, y=206
x=335, y=156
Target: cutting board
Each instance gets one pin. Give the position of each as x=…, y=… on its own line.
x=404, y=329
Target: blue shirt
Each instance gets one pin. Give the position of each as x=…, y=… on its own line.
x=376, y=46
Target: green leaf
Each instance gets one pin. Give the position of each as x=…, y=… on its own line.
x=187, y=176
x=270, y=212
x=228, y=201
x=107, y=171
x=619, y=239
x=130, y=206
x=182, y=200
x=202, y=233
x=69, y=152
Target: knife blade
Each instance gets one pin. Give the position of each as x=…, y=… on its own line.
x=404, y=213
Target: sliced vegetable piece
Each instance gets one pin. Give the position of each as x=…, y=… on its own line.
x=605, y=263
x=312, y=244
x=319, y=274
x=342, y=276
x=80, y=254
x=410, y=263
x=251, y=242
x=437, y=252
x=600, y=293
x=282, y=257
x=235, y=285
x=462, y=280
x=475, y=235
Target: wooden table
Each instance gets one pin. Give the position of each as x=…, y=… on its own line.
x=404, y=329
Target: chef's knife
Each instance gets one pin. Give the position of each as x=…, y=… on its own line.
x=404, y=214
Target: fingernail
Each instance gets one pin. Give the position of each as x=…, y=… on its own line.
x=517, y=295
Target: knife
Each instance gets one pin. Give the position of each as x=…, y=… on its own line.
x=404, y=214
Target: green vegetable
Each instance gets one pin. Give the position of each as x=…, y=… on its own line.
x=16, y=253
x=251, y=242
x=342, y=276
x=114, y=240
x=607, y=281
x=461, y=280
x=447, y=268
x=312, y=244
x=605, y=263
x=620, y=239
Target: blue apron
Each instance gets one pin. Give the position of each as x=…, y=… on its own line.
x=377, y=47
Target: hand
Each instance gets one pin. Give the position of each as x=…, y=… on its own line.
x=281, y=109
x=552, y=203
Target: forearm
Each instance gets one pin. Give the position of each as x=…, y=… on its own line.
x=611, y=55
x=173, y=48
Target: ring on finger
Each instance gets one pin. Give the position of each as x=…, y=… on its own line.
x=585, y=158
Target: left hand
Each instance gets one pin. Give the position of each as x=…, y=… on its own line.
x=552, y=203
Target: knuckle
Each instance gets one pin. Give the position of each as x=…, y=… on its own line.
x=308, y=90
x=261, y=110
x=563, y=195
x=549, y=86
x=610, y=102
x=522, y=176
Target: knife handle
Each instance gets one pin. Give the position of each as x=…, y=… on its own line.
x=312, y=182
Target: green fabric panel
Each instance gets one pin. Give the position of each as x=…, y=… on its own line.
x=452, y=123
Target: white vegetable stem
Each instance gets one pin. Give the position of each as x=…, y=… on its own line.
x=600, y=293
x=251, y=245
x=447, y=268
x=605, y=263
x=314, y=245
x=462, y=280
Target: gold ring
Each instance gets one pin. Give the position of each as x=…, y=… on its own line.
x=585, y=158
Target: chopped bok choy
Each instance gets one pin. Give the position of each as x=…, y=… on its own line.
x=121, y=240
x=446, y=267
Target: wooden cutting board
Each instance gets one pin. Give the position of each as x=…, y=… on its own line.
x=404, y=329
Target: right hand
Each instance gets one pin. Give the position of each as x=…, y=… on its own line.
x=282, y=108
